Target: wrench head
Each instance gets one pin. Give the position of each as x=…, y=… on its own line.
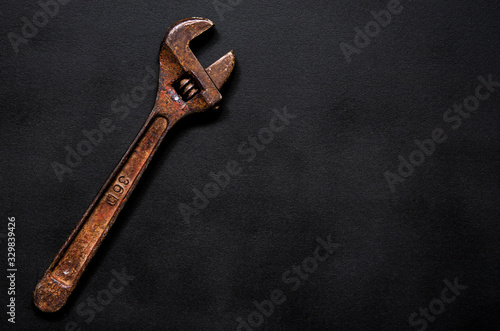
x=184, y=85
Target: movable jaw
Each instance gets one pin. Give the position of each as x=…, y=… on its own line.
x=184, y=85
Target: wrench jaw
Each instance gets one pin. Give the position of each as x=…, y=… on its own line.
x=220, y=70
x=184, y=85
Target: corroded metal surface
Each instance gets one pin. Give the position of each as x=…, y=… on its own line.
x=184, y=88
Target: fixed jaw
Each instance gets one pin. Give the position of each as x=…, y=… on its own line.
x=180, y=36
x=182, y=76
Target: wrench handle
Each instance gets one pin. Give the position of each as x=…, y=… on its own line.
x=65, y=271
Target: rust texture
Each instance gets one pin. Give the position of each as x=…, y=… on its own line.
x=184, y=87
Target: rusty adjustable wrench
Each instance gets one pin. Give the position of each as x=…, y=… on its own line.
x=184, y=88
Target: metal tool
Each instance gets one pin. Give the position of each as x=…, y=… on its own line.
x=184, y=88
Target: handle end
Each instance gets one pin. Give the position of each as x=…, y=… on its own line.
x=50, y=295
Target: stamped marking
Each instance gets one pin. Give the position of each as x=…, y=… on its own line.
x=118, y=189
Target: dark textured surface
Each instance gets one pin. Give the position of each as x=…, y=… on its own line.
x=323, y=174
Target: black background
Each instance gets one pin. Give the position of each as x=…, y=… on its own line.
x=323, y=175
